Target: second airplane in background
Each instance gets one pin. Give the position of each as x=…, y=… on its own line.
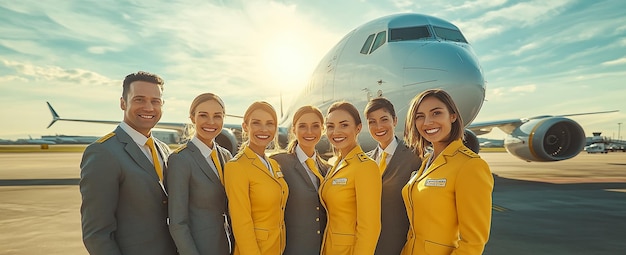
x=399, y=56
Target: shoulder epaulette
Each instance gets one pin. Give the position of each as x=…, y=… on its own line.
x=363, y=157
x=236, y=157
x=469, y=152
x=182, y=147
x=106, y=137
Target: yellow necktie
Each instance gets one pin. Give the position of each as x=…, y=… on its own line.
x=383, y=162
x=155, y=158
x=311, y=164
x=218, y=167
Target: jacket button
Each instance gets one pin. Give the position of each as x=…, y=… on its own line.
x=318, y=232
x=317, y=219
x=317, y=207
x=164, y=202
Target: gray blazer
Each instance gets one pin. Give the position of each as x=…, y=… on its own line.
x=305, y=217
x=197, y=202
x=394, y=221
x=124, y=207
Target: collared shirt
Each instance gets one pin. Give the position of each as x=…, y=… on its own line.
x=266, y=163
x=302, y=157
x=206, y=152
x=391, y=148
x=140, y=140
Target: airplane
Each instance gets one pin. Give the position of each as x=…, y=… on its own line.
x=397, y=57
x=31, y=140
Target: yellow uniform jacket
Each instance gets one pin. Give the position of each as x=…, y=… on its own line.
x=351, y=194
x=449, y=204
x=256, y=201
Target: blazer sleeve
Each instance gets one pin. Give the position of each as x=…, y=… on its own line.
x=368, y=188
x=473, y=201
x=237, y=191
x=99, y=182
x=178, y=175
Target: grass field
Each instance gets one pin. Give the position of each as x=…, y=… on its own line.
x=52, y=148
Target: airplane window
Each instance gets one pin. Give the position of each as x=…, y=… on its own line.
x=381, y=38
x=367, y=44
x=449, y=34
x=409, y=33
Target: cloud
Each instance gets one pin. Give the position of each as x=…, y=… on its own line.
x=618, y=61
x=524, y=89
x=26, y=71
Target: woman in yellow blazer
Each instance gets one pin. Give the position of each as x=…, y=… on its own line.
x=256, y=190
x=448, y=201
x=351, y=190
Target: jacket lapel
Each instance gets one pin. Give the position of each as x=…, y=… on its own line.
x=136, y=153
x=256, y=162
x=441, y=160
x=302, y=172
x=202, y=163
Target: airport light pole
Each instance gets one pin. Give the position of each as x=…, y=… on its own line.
x=619, y=125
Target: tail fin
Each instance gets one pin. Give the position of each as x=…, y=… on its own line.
x=55, y=116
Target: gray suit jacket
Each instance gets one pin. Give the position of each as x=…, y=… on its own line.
x=197, y=202
x=124, y=208
x=394, y=221
x=305, y=218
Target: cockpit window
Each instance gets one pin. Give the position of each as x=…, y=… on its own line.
x=409, y=33
x=366, y=46
x=449, y=34
x=381, y=38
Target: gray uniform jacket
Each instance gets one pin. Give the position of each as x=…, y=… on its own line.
x=124, y=207
x=305, y=218
x=394, y=221
x=197, y=202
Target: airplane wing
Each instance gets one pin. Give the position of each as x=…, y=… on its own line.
x=541, y=138
x=230, y=137
x=508, y=126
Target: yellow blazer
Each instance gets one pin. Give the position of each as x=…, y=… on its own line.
x=256, y=201
x=449, y=206
x=351, y=194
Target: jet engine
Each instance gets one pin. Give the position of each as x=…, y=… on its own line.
x=546, y=139
x=471, y=141
x=229, y=140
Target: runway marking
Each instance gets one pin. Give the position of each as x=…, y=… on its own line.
x=499, y=208
x=38, y=182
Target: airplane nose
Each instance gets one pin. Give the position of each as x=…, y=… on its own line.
x=452, y=67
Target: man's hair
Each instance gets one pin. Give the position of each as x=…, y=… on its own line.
x=140, y=76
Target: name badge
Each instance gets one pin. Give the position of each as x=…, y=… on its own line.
x=435, y=183
x=279, y=174
x=340, y=181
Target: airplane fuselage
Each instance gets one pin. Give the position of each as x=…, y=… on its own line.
x=396, y=57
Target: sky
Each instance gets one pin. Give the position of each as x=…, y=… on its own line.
x=539, y=57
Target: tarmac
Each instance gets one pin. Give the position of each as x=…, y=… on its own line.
x=576, y=206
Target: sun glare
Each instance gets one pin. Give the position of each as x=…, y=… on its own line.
x=289, y=62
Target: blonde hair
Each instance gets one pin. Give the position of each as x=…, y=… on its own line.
x=266, y=107
x=190, y=128
x=293, y=141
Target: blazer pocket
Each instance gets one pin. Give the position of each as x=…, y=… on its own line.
x=261, y=234
x=432, y=248
x=343, y=239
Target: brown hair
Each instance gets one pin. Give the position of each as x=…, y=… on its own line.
x=293, y=141
x=348, y=107
x=380, y=103
x=413, y=137
x=140, y=76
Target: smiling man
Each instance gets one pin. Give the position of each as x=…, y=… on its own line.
x=124, y=205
